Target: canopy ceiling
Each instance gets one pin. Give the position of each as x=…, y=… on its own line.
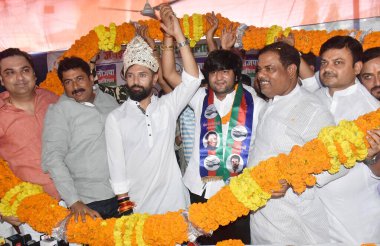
x=45, y=25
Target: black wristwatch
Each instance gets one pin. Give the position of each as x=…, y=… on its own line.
x=371, y=161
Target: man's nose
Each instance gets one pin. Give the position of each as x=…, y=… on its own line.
x=219, y=75
x=377, y=80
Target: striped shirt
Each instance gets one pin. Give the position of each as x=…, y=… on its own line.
x=187, y=127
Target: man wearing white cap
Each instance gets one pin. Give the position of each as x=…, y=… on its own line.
x=140, y=133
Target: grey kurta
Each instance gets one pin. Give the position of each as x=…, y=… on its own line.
x=74, y=148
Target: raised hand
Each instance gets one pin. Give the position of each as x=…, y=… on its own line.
x=288, y=40
x=143, y=31
x=170, y=23
x=214, y=23
x=228, y=37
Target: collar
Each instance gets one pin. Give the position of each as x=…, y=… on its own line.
x=230, y=96
x=96, y=90
x=289, y=95
x=153, y=99
x=345, y=92
x=3, y=97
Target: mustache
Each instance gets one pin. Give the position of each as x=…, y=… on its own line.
x=78, y=90
x=329, y=74
x=375, y=88
x=137, y=86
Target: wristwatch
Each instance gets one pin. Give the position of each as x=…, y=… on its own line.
x=371, y=161
x=183, y=43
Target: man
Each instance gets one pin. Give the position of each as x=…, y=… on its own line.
x=370, y=73
x=22, y=111
x=235, y=163
x=352, y=201
x=74, y=145
x=140, y=134
x=211, y=140
x=22, y=108
x=224, y=108
x=293, y=116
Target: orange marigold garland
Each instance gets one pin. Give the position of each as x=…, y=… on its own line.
x=254, y=38
x=230, y=242
x=7, y=179
x=93, y=232
x=221, y=209
x=165, y=229
x=47, y=208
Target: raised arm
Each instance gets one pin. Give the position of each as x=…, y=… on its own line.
x=228, y=37
x=305, y=71
x=214, y=23
x=143, y=31
x=171, y=26
x=168, y=62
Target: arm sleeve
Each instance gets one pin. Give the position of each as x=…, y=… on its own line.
x=55, y=145
x=311, y=84
x=325, y=177
x=182, y=94
x=116, y=160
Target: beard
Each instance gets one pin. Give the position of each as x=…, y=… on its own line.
x=138, y=95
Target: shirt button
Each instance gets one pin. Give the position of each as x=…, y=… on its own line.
x=148, y=124
x=150, y=134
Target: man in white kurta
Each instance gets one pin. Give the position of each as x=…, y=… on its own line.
x=140, y=134
x=293, y=116
x=352, y=201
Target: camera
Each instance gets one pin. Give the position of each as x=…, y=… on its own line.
x=19, y=240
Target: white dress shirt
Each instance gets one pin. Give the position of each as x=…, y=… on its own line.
x=289, y=120
x=352, y=201
x=141, y=153
x=192, y=178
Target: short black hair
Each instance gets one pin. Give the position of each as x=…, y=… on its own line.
x=210, y=133
x=310, y=58
x=16, y=52
x=246, y=80
x=235, y=157
x=340, y=42
x=72, y=63
x=287, y=53
x=218, y=60
x=371, y=53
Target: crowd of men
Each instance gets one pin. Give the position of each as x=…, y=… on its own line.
x=107, y=160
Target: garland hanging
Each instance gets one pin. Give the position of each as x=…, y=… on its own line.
x=297, y=168
x=194, y=27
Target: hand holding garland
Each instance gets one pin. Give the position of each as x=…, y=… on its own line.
x=81, y=209
x=373, y=157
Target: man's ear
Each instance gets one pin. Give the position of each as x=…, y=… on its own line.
x=358, y=67
x=91, y=79
x=292, y=70
x=1, y=81
x=155, y=78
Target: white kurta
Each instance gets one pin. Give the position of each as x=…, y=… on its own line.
x=192, y=176
x=141, y=153
x=352, y=201
x=286, y=121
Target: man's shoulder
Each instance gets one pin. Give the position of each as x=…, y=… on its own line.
x=47, y=95
x=105, y=98
x=258, y=101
